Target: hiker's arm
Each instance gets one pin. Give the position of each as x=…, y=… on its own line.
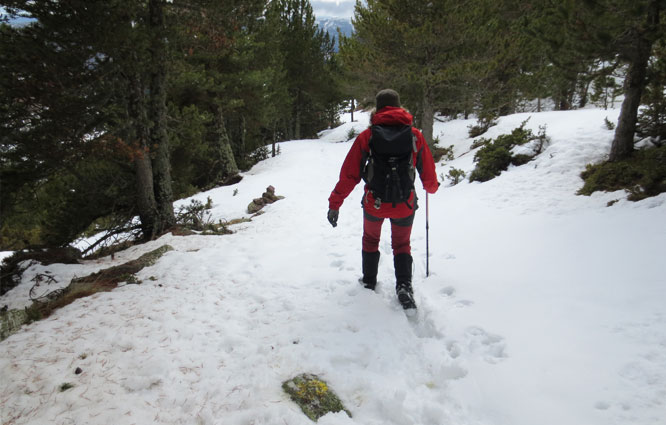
x=350, y=174
x=425, y=165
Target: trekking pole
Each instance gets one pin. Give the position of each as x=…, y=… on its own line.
x=427, y=238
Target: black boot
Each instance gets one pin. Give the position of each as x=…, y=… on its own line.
x=370, y=265
x=403, y=280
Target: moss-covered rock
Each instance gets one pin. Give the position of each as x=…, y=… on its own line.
x=11, y=321
x=313, y=396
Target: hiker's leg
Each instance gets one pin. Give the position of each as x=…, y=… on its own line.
x=401, y=232
x=372, y=229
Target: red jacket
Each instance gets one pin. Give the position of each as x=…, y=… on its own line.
x=350, y=174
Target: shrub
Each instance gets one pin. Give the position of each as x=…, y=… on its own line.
x=352, y=133
x=520, y=159
x=259, y=154
x=491, y=161
x=542, y=140
x=609, y=124
x=196, y=217
x=495, y=156
x=480, y=142
x=455, y=176
x=643, y=175
x=482, y=125
x=439, y=153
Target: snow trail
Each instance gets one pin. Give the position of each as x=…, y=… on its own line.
x=533, y=312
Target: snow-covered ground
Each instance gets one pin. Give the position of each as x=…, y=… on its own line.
x=542, y=307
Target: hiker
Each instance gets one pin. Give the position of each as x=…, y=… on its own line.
x=385, y=155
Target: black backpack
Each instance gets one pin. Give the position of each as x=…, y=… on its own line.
x=389, y=170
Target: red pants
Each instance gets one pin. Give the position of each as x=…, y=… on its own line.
x=401, y=231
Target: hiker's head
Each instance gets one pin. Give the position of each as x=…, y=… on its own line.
x=387, y=97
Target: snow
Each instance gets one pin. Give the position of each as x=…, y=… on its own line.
x=542, y=307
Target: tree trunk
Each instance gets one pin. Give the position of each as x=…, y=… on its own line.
x=563, y=103
x=288, y=129
x=138, y=135
x=158, y=131
x=273, y=152
x=634, y=83
x=582, y=102
x=145, y=195
x=243, y=136
x=427, y=117
x=353, y=106
x=623, y=142
x=228, y=167
x=297, y=123
x=565, y=91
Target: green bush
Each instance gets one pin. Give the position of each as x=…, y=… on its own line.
x=455, y=176
x=482, y=125
x=643, y=175
x=495, y=155
x=439, y=153
x=260, y=154
x=520, y=159
x=480, y=142
x=491, y=161
x=609, y=124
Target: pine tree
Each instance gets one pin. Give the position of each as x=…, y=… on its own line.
x=101, y=76
x=422, y=49
x=652, y=118
x=310, y=68
x=606, y=31
x=56, y=96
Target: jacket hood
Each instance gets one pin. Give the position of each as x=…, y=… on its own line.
x=392, y=115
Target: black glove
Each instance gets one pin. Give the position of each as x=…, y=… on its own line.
x=333, y=217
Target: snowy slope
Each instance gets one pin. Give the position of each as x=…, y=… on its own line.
x=542, y=307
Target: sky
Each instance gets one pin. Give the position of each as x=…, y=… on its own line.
x=322, y=8
x=333, y=8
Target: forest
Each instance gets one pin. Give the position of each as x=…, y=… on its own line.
x=111, y=110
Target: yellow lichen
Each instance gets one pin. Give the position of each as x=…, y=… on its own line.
x=313, y=396
x=312, y=389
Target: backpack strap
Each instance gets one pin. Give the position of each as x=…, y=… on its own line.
x=411, y=161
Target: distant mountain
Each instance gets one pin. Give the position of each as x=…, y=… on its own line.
x=331, y=25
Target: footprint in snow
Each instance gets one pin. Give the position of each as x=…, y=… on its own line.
x=453, y=348
x=492, y=347
x=602, y=405
x=449, y=291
